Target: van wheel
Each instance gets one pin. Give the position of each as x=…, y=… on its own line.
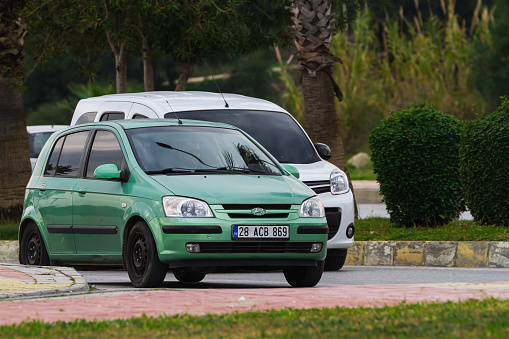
x=143, y=264
x=33, y=250
x=335, y=262
x=186, y=275
x=304, y=276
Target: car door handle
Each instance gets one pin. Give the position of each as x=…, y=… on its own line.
x=82, y=191
x=42, y=189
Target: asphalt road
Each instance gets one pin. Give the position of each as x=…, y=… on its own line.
x=118, y=280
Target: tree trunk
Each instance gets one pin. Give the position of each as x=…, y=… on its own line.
x=148, y=71
x=184, y=76
x=14, y=157
x=119, y=51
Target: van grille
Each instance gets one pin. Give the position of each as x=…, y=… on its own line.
x=255, y=247
x=321, y=186
x=333, y=215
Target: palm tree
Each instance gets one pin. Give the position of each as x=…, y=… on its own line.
x=313, y=29
x=14, y=158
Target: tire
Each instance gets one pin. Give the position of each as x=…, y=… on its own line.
x=335, y=262
x=33, y=250
x=186, y=275
x=143, y=264
x=304, y=276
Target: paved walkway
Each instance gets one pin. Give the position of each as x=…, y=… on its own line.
x=19, y=281
x=155, y=302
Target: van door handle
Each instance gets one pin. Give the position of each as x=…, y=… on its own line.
x=82, y=191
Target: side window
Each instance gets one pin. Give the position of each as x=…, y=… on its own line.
x=139, y=116
x=112, y=116
x=86, y=117
x=105, y=150
x=51, y=165
x=69, y=162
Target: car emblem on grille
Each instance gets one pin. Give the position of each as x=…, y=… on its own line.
x=258, y=211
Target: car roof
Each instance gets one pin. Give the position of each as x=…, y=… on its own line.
x=140, y=123
x=191, y=100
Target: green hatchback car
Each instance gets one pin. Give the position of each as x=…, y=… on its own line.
x=154, y=195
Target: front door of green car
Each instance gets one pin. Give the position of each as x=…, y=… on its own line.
x=55, y=191
x=97, y=206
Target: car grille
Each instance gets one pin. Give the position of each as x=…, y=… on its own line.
x=333, y=216
x=321, y=186
x=255, y=247
x=243, y=211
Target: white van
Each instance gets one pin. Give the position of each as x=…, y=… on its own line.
x=269, y=124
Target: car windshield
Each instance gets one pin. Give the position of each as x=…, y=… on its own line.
x=36, y=142
x=191, y=149
x=276, y=131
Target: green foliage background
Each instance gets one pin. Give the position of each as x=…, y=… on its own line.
x=484, y=166
x=415, y=154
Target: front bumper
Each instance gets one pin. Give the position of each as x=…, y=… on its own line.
x=340, y=214
x=215, y=235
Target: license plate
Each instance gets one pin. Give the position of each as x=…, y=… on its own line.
x=261, y=232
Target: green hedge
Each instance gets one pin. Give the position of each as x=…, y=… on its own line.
x=415, y=155
x=484, y=166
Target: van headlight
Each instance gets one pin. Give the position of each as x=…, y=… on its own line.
x=186, y=207
x=312, y=208
x=338, y=182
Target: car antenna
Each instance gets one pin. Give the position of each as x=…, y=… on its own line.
x=225, y=103
x=176, y=116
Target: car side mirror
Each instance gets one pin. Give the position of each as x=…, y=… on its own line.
x=293, y=171
x=109, y=172
x=323, y=151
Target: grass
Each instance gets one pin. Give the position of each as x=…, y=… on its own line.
x=470, y=319
x=9, y=230
x=459, y=230
x=361, y=173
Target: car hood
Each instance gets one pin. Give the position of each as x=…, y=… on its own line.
x=316, y=171
x=237, y=188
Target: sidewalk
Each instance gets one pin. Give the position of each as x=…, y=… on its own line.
x=109, y=306
x=18, y=281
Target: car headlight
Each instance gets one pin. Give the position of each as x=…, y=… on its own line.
x=312, y=208
x=186, y=207
x=338, y=182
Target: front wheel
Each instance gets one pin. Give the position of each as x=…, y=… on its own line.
x=304, y=276
x=186, y=275
x=143, y=264
x=33, y=250
x=335, y=261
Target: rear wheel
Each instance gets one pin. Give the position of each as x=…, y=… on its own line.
x=304, y=276
x=33, y=250
x=188, y=275
x=336, y=260
x=143, y=264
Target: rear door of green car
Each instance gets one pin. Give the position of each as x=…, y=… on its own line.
x=55, y=189
x=98, y=208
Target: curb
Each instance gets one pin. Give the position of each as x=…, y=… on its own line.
x=40, y=281
x=493, y=254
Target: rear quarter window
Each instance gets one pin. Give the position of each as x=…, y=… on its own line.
x=86, y=118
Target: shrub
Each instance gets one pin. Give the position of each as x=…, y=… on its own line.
x=415, y=154
x=484, y=166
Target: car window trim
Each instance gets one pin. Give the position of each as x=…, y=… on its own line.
x=94, y=131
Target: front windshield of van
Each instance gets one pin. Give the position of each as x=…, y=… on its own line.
x=276, y=131
x=191, y=149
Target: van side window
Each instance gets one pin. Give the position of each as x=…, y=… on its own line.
x=112, y=116
x=51, y=165
x=86, y=117
x=105, y=150
x=70, y=156
x=139, y=116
